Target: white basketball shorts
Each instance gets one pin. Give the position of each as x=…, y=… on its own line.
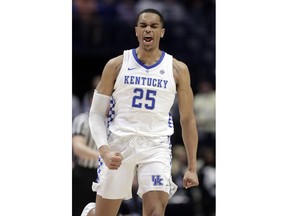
x=149, y=157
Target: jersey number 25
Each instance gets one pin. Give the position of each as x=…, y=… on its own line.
x=149, y=96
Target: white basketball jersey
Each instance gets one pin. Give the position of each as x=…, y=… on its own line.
x=143, y=96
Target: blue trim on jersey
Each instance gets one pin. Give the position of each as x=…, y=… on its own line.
x=111, y=114
x=145, y=66
x=170, y=121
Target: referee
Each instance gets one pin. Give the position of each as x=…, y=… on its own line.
x=85, y=163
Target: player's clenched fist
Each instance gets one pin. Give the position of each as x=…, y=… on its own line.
x=113, y=160
x=190, y=179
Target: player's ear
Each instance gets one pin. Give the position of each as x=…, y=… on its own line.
x=162, y=32
x=136, y=31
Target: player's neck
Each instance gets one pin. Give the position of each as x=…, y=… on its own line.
x=148, y=57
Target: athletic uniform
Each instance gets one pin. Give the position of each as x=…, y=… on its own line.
x=140, y=126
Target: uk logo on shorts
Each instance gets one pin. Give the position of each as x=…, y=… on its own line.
x=157, y=180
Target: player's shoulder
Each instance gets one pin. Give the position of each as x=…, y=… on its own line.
x=179, y=65
x=114, y=65
x=116, y=60
x=180, y=71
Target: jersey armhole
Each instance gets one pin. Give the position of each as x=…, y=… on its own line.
x=124, y=62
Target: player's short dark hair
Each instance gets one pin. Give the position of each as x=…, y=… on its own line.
x=151, y=10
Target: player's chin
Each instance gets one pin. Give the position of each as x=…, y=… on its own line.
x=148, y=45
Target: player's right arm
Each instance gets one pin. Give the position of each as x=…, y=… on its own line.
x=99, y=110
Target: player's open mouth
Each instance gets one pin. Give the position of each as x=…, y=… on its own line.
x=148, y=40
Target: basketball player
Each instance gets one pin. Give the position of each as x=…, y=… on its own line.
x=142, y=84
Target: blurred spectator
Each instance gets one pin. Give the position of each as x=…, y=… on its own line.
x=85, y=9
x=86, y=24
x=76, y=106
x=84, y=171
x=174, y=11
x=179, y=167
x=207, y=182
x=156, y=4
x=183, y=202
x=205, y=108
x=126, y=11
x=86, y=98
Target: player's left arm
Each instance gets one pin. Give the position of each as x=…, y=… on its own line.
x=187, y=121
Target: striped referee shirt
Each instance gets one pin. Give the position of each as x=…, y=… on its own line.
x=81, y=127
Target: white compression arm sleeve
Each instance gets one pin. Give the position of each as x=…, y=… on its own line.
x=98, y=119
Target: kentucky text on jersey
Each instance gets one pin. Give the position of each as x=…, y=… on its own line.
x=145, y=81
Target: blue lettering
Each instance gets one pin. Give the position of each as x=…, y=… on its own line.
x=149, y=81
x=137, y=82
x=132, y=80
x=159, y=83
x=154, y=82
x=144, y=81
x=157, y=181
x=165, y=83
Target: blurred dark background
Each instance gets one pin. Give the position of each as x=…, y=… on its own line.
x=102, y=29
